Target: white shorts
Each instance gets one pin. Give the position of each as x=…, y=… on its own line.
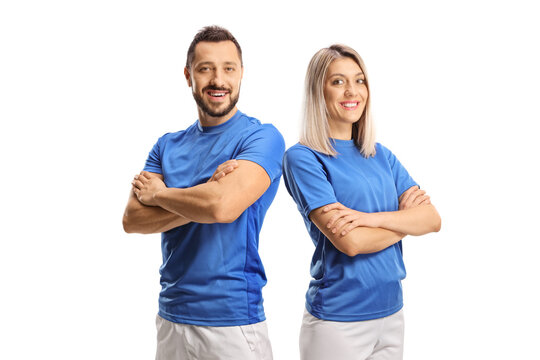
x=192, y=342
x=379, y=339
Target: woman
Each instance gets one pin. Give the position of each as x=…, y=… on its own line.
x=357, y=202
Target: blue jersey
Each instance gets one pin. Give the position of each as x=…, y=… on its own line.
x=344, y=288
x=211, y=273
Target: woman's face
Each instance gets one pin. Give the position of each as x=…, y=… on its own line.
x=345, y=92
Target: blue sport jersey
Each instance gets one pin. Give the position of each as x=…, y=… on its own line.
x=344, y=288
x=212, y=273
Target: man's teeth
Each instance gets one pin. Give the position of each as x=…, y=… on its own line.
x=217, y=94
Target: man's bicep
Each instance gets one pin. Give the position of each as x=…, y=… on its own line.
x=155, y=174
x=244, y=185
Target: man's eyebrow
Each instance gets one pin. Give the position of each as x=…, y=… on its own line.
x=205, y=63
x=212, y=63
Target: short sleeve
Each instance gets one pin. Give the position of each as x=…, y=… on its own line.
x=306, y=180
x=402, y=179
x=264, y=146
x=153, y=162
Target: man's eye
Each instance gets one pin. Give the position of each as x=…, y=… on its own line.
x=229, y=69
x=204, y=69
x=361, y=81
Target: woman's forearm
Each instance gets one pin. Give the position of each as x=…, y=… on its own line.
x=366, y=240
x=359, y=240
x=418, y=220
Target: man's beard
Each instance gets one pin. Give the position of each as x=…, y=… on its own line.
x=206, y=109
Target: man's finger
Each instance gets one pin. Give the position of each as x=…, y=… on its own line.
x=229, y=163
x=146, y=174
x=333, y=206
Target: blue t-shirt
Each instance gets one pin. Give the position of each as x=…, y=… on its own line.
x=344, y=288
x=212, y=273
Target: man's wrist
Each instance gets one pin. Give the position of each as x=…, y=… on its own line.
x=157, y=196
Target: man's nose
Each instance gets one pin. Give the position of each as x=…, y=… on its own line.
x=217, y=78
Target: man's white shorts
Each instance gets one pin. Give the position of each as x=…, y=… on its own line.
x=192, y=342
x=379, y=339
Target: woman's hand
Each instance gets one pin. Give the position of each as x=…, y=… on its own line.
x=412, y=198
x=345, y=219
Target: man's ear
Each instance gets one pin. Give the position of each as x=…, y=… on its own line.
x=188, y=76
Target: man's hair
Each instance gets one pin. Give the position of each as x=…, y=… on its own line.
x=315, y=128
x=212, y=34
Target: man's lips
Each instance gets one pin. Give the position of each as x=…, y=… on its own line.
x=217, y=95
x=349, y=105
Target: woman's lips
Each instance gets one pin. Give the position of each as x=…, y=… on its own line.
x=349, y=105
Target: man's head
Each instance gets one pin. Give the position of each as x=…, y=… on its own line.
x=214, y=71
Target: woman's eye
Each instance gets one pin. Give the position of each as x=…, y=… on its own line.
x=361, y=81
x=337, y=82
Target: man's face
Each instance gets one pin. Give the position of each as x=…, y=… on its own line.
x=215, y=76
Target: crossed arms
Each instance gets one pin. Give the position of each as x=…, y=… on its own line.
x=353, y=232
x=152, y=207
x=235, y=185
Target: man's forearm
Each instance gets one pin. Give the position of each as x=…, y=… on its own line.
x=219, y=201
x=418, y=220
x=201, y=203
x=139, y=218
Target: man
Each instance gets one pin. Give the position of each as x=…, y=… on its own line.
x=210, y=305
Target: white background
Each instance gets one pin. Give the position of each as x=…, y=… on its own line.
x=87, y=87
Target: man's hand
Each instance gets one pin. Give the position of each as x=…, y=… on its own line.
x=412, y=198
x=145, y=186
x=223, y=169
x=345, y=219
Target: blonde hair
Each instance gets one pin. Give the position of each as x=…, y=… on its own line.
x=315, y=129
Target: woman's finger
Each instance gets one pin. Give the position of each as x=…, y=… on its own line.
x=338, y=214
x=348, y=228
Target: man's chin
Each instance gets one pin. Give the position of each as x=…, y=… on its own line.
x=215, y=110
x=219, y=110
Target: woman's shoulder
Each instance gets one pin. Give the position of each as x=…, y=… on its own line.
x=299, y=150
x=380, y=149
x=300, y=155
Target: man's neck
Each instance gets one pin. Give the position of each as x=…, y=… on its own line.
x=207, y=120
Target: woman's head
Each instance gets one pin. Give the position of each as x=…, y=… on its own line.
x=337, y=94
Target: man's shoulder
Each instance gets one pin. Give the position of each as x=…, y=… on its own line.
x=175, y=135
x=254, y=127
